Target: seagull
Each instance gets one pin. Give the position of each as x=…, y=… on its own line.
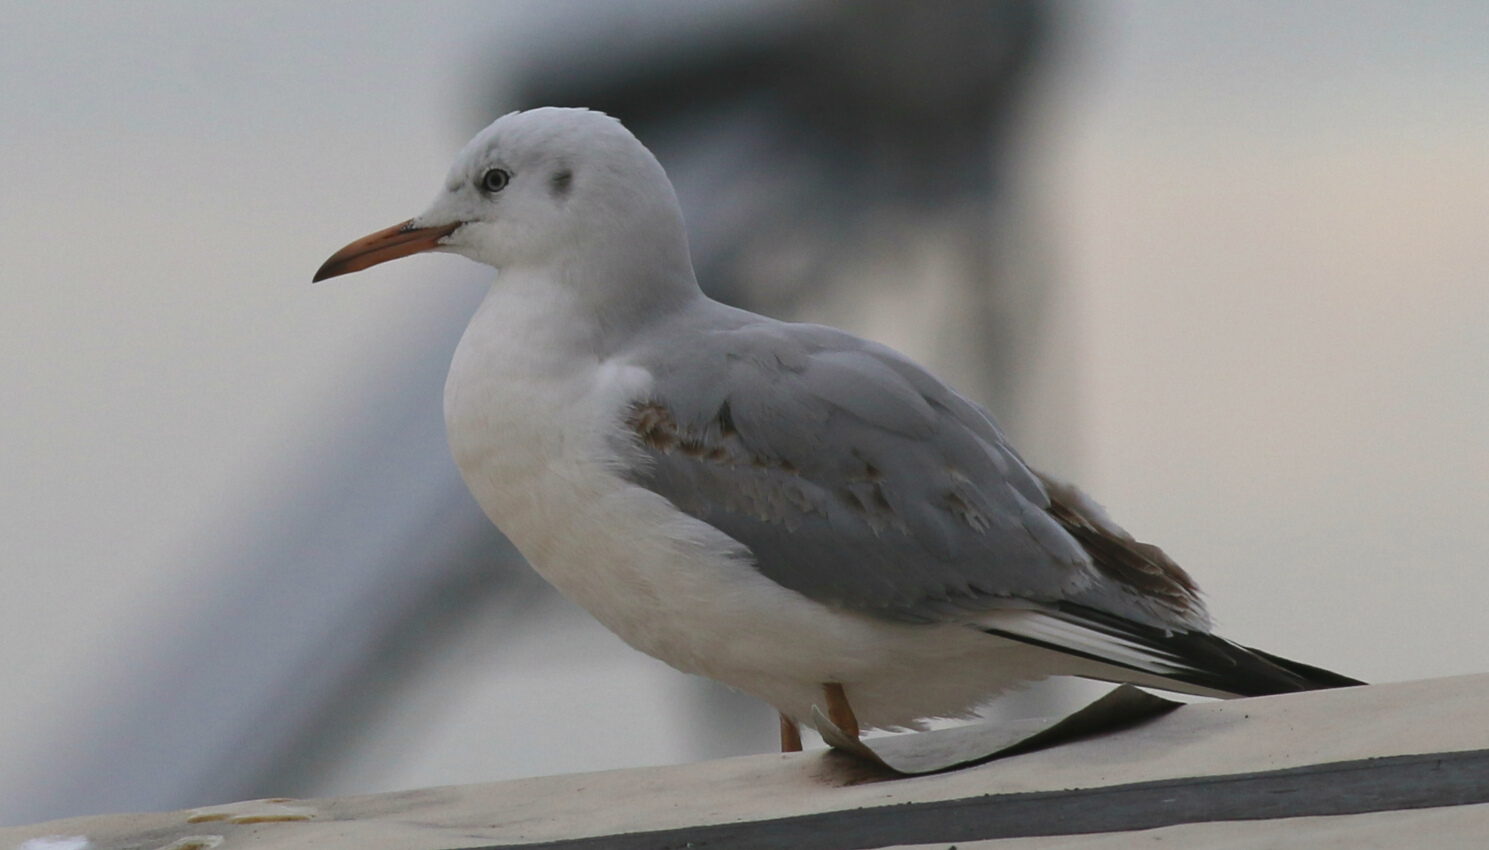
x=794, y=511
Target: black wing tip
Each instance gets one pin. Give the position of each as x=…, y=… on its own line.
x=1253, y=673
x=1214, y=663
x=1317, y=677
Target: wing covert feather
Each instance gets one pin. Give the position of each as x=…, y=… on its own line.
x=861, y=481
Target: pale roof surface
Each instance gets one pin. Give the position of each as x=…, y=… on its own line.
x=1296, y=740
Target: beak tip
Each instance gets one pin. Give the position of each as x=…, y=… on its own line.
x=400, y=240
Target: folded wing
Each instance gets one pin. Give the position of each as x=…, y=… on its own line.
x=861, y=481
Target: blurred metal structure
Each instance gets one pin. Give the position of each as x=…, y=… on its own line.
x=846, y=164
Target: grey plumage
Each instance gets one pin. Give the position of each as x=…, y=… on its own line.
x=861, y=481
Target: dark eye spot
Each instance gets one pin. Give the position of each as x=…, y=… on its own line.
x=495, y=180
x=561, y=181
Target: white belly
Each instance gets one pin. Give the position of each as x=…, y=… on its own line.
x=535, y=436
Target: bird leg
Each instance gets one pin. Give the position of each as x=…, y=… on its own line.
x=790, y=735
x=838, y=710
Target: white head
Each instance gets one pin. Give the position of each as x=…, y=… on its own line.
x=569, y=193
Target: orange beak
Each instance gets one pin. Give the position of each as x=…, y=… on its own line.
x=400, y=240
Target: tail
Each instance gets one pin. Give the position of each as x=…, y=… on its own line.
x=1190, y=662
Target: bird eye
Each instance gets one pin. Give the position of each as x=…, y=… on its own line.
x=495, y=180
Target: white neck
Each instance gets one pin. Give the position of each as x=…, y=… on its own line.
x=598, y=298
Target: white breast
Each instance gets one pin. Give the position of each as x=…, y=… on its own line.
x=534, y=426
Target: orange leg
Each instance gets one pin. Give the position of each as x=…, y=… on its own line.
x=790, y=735
x=838, y=710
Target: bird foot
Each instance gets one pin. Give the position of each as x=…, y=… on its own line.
x=838, y=710
x=790, y=735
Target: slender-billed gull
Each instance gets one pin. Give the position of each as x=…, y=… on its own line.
x=791, y=510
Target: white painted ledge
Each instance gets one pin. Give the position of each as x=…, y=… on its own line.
x=1415, y=754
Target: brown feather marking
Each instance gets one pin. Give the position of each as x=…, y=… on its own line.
x=1141, y=566
x=654, y=425
x=764, y=494
x=864, y=495
x=961, y=506
x=715, y=442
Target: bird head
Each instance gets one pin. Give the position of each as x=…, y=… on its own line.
x=542, y=188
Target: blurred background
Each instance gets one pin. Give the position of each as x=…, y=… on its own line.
x=1226, y=265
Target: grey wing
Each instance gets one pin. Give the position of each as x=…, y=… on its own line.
x=860, y=481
